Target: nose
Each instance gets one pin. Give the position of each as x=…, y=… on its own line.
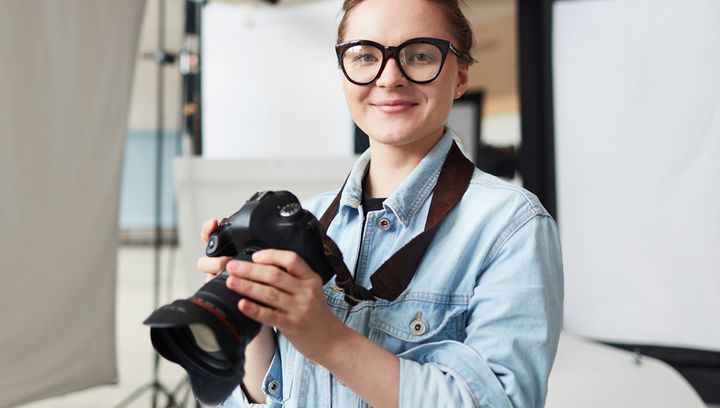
x=391, y=76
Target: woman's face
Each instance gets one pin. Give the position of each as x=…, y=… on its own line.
x=393, y=110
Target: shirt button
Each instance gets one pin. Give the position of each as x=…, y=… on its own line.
x=273, y=387
x=384, y=223
x=417, y=326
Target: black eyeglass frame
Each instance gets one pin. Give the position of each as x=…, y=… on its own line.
x=394, y=52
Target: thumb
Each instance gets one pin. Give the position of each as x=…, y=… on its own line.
x=208, y=227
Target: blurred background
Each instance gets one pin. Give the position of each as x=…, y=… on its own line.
x=125, y=124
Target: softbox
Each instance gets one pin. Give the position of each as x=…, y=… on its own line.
x=65, y=84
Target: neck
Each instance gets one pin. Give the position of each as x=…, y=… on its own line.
x=390, y=165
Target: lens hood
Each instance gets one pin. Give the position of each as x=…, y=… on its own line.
x=212, y=378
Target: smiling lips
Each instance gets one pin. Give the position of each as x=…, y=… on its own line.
x=394, y=106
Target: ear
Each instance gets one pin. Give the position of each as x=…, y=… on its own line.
x=462, y=80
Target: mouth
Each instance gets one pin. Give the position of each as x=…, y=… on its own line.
x=393, y=106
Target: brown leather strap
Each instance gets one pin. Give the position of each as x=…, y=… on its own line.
x=393, y=277
x=331, y=211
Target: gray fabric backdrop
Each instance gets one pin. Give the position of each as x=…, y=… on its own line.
x=65, y=82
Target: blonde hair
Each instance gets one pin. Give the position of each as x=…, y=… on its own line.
x=458, y=23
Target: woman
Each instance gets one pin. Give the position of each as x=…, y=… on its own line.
x=477, y=321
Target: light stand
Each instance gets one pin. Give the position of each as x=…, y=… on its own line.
x=162, y=58
x=190, y=68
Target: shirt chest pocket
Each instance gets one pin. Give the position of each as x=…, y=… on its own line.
x=406, y=324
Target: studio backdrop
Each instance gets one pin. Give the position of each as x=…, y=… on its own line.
x=65, y=83
x=637, y=120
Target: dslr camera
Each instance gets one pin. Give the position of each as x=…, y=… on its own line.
x=206, y=334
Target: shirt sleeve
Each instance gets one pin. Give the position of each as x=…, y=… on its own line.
x=512, y=331
x=272, y=388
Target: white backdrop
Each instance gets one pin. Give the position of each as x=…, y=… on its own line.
x=65, y=82
x=637, y=117
x=271, y=85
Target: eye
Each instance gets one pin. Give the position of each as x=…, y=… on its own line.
x=362, y=55
x=421, y=54
x=423, y=58
x=364, y=58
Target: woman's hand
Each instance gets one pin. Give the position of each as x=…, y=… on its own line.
x=283, y=291
x=211, y=265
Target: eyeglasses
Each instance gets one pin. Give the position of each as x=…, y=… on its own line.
x=420, y=59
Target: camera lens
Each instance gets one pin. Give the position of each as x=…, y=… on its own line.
x=188, y=346
x=207, y=335
x=204, y=337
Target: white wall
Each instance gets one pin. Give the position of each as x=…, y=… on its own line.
x=271, y=84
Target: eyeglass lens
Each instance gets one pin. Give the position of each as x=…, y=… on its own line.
x=419, y=61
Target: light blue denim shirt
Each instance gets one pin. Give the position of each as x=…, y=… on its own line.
x=488, y=294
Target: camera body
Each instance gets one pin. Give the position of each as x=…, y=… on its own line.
x=206, y=334
x=272, y=219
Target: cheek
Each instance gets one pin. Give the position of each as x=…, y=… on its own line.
x=443, y=96
x=349, y=92
x=447, y=83
x=354, y=98
x=441, y=101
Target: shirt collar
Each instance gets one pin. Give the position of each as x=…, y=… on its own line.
x=412, y=192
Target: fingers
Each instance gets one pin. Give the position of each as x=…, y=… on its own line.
x=266, y=295
x=279, y=289
x=262, y=314
x=293, y=263
x=269, y=275
x=212, y=265
x=273, y=286
x=207, y=228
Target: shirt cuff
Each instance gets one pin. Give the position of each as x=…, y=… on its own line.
x=272, y=388
x=448, y=371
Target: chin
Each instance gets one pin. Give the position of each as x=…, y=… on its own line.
x=391, y=137
x=400, y=139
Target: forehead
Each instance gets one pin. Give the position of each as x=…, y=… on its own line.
x=390, y=22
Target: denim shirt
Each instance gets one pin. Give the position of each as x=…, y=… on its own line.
x=479, y=323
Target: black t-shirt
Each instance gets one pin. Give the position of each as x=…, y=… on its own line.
x=372, y=204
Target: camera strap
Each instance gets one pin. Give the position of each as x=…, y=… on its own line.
x=394, y=276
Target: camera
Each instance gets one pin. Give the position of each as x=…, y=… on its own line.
x=206, y=334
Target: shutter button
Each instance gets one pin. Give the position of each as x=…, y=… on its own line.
x=273, y=387
x=384, y=223
x=417, y=326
